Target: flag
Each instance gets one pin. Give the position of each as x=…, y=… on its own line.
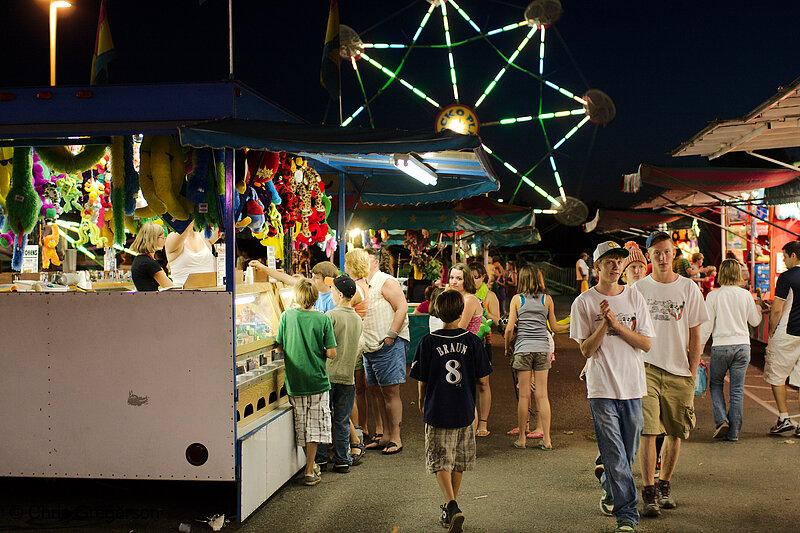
x=103, y=49
x=330, y=74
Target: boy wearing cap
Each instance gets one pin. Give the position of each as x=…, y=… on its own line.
x=320, y=271
x=611, y=324
x=346, y=330
x=677, y=308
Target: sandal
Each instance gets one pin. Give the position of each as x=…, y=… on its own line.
x=514, y=431
x=387, y=451
x=534, y=435
x=483, y=433
x=545, y=448
x=518, y=446
x=375, y=445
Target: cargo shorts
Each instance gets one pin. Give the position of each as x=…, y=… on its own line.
x=669, y=404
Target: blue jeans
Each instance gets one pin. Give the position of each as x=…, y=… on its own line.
x=342, y=397
x=618, y=425
x=733, y=358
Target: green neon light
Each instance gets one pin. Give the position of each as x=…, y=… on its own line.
x=503, y=70
x=394, y=76
x=383, y=45
x=449, y=50
x=571, y=132
x=465, y=16
x=523, y=178
x=424, y=22
x=351, y=117
x=541, y=53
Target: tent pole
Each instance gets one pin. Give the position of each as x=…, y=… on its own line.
x=341, y=222
x=230, y=229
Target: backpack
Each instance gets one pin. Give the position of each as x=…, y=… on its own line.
x=701, y=383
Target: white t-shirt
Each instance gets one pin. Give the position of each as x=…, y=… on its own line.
x=582, y=269
x=616, y=369
x=674, y=307
x=730, y=309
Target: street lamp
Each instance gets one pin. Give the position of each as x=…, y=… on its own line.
x=54, y=5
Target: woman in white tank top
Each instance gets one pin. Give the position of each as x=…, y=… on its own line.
x=188, y=253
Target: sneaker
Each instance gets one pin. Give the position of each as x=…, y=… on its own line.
x=782, y=426
x=456, y=517
x=444, y=520
x=320, y=466
x=598, y=471
x=318, y=469
x=722, y=431
x=607, y=504
x=665, y=500
x=658, y=467
x=649, y=501
x=625, y=526
x=357, y=459
x=342, y=468
x=310, y=480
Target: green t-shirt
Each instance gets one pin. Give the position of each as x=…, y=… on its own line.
x=305, y=335
x=347, y=326
x=680, y=265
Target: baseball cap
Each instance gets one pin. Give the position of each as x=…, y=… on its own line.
x=607, y=247
x=656, y=235
x=343, y=284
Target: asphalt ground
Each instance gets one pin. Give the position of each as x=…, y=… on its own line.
x=749, y=485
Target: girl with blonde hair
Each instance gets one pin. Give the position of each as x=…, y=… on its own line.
x=146, y=272
x=531, y=312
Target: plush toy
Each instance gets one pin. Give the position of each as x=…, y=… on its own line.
x=131, y=176
x=261, y=169
x=49, y=243
x=201, y=187
x=22, y=203
x=162, y=173
x=45, y=187
x=118, y=186
x=255, y=210
x=6, y=154
x=67, y=188
x=61, y=161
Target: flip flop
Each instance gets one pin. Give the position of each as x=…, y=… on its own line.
x=545, y=448
x=514, y=431
x=483, y=433
x=517, y=446
x=375, y=437
x=534, y=435
x=375, y=445
x=386, y=450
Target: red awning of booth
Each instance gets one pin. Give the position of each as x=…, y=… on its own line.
x=607, y=221
x=686, y=185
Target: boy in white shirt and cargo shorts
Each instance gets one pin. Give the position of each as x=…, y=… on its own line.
x=613, y=327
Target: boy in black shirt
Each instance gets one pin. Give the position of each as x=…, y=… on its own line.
x=448, y=364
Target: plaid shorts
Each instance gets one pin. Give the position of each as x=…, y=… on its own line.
x=312, y=418
x=449, y=449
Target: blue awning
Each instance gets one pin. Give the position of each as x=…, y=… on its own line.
x=459, y=161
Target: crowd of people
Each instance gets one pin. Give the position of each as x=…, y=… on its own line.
x=641, y=321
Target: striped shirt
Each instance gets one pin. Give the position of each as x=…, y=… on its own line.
x=380, y=315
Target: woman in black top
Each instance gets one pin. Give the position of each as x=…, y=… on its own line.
x=147, y=274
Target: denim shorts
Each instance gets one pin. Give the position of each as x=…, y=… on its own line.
x=387, y=366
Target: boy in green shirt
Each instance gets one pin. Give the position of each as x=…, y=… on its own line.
x=347, y=330
x=306, y=337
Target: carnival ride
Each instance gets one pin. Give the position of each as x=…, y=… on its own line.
x=454, y=113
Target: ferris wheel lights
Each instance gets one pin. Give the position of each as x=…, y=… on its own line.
x=465, y=16
x=486, y=148
x=511, y=168
x=562, y=114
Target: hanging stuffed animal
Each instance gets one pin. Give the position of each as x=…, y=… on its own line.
x=261, y=169
x=61, y=161
x=67, y=187
x=6, y=154
x=45, y=187
x=161, y=177
x=201, y=187
x=254, y=210
x=131, y=186
x=49, y=243
x=305, y=184
x=22, y=203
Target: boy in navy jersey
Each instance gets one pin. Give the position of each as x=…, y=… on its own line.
x=448, y=364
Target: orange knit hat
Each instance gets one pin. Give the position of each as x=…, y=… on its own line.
x=634, y=254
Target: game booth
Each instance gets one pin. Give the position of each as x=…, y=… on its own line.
x=105, y=382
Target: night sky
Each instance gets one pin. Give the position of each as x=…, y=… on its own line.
x=670, y=67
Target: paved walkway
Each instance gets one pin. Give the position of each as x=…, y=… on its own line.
x=751, y=485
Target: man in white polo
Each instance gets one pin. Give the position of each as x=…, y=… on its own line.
x=677, y=308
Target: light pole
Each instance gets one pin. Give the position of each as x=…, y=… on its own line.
x=54, y=5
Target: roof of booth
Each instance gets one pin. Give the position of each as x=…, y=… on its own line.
x=102, y=110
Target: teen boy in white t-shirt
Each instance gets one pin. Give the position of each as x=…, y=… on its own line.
x=613, y=327
x=678, y=310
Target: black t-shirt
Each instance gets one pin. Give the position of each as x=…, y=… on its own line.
x=450, y=362
x=142, y=271
x=787, y=285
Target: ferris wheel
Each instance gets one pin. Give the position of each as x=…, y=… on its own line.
x=459, y=106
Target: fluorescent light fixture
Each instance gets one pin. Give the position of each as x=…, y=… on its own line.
x=412, y=165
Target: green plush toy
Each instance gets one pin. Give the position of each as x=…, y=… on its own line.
x=22, y=203
x=61, y=161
